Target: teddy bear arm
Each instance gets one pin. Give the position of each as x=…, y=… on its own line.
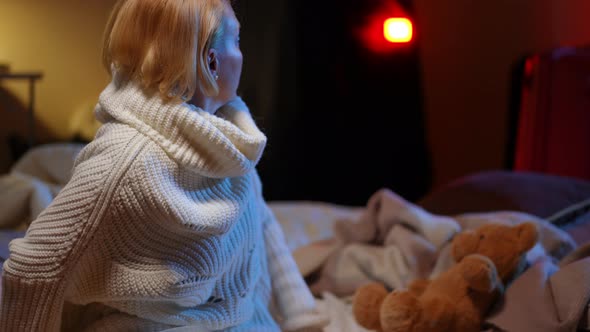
x=438, y=314
x=400, y=312
x=418, y=286
x=480, y=273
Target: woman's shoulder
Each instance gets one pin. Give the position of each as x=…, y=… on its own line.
x=110, y=139
x=115, y=150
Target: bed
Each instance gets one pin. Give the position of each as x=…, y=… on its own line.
x=40, y=173
x=38, y=176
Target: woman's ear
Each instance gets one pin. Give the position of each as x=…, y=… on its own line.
x=213, y=63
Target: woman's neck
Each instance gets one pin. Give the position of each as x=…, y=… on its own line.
x=207, y=104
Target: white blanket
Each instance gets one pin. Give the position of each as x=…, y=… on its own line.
x=33, y=183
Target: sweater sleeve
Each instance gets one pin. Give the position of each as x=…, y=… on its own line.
x=35, y=276
x=294, y=299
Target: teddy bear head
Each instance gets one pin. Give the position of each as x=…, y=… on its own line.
x=504, y=245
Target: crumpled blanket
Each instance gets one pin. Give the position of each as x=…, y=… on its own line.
x=33, y=183
x=395, y=241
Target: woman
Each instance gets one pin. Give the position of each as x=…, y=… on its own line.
x=163, y=224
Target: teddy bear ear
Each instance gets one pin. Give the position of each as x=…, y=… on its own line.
x=464, y=243
x=528, y=235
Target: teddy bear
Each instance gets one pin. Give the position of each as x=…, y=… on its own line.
x=459, y=298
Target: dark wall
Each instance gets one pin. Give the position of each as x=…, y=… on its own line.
x=468, y=49
x=342, y=121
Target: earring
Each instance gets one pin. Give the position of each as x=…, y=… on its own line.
x=216, y=77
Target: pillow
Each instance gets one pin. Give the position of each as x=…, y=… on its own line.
x=5, y=238
x=50, y=163
x=575, y=220
x=307, y=222
x=533, y=193
x=580, y=229
x=15, y=193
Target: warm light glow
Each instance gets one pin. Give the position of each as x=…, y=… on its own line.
x=398, y=30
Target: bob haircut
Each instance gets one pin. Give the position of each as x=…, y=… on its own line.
x=163, y=45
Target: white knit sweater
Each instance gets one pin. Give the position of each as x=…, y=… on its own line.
x=163, y=224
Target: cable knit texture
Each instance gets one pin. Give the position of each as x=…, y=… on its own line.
x=162, y=225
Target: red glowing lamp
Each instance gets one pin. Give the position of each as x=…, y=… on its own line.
x=388, y=29
x=398, y=30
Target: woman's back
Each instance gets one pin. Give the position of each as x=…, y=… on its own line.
x=147, y=233
x=163, y=223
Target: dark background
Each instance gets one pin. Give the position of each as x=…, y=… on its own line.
x=342, y=120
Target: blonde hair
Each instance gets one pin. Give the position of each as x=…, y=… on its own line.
x=163, y=45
